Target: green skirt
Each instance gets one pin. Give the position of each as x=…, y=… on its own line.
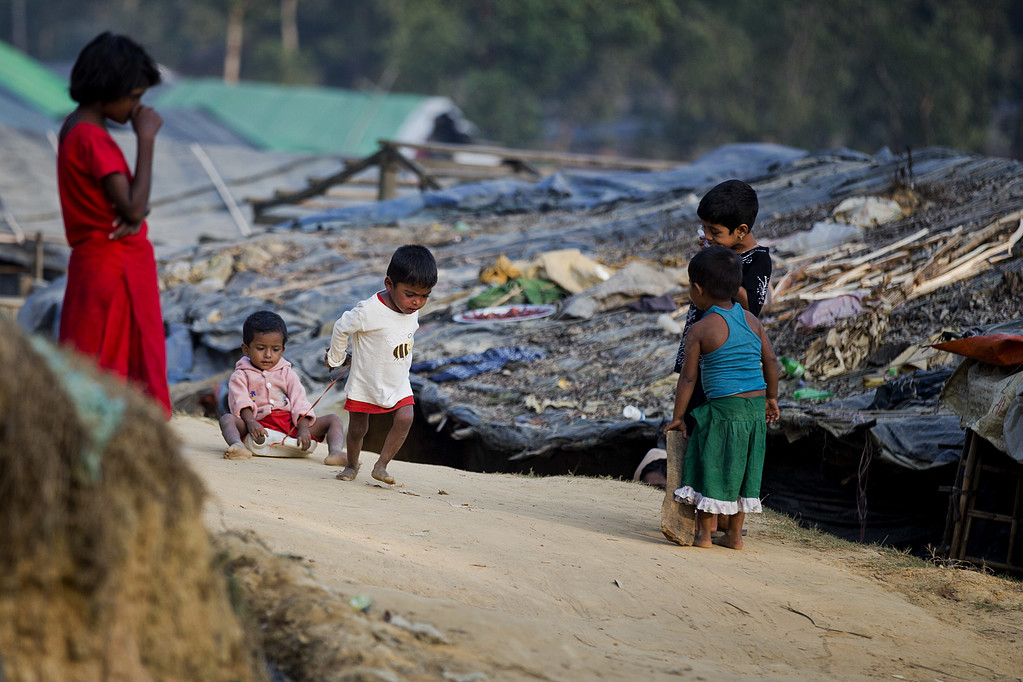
x=724, y=459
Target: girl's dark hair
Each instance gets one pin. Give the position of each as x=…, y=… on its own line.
x=730, y=204
x=263, y=322
x=413, y=264
x=109, y=68
x=718, y=271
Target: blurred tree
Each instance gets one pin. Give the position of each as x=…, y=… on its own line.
x=667, y=78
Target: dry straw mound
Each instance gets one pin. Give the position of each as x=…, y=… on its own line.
x=106, y=571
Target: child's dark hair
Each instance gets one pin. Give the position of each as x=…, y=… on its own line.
x=730, y=204
x=413, y=264
x=263, y=322
x=111, y=67
x=718, y=271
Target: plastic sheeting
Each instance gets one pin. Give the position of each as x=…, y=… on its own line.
x=899, y=421
x=786, y=179
x=568, y=190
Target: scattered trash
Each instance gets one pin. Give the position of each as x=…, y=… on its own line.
x=518, y=290
x=505, y=313
x=633, y=282
x=538, y=406
x=422, y=631
x=826, y=312
x=792, y=367
x=669, y=324
x=633, y=413
x=848, y=343
x=812, y=394
x=823, y=236
x=277, y=444
x=653, y=304
x=867, y=211
x=569, y=268
x=361, y=602
x=499, y=272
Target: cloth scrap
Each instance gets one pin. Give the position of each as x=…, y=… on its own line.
x=466, y=366
x=655, y=304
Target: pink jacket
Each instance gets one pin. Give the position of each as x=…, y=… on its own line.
x=276, y=389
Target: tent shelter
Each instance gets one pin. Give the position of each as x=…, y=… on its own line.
x=309, y=119
x=985, y=524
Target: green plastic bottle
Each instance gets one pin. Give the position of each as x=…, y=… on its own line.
x=792, y=367
x=812, y=394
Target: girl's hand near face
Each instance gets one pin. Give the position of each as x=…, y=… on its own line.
x=145, y=121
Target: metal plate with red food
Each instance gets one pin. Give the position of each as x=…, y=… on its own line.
x=516, y=312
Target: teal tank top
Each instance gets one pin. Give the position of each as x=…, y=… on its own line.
x=735, y=366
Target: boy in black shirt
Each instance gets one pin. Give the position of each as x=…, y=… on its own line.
x=727, y=213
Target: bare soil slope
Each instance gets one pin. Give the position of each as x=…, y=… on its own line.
x=566, y=578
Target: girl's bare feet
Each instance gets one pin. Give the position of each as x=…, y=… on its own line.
x=336, y=459
x=380, y=474
x=237, y=451
x=728, y=541
x=348, y=474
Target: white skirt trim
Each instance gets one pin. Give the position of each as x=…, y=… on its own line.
x=747, y=505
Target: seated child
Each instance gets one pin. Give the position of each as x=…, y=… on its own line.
x=263, y=393
x=379, y=332
x=724, y=458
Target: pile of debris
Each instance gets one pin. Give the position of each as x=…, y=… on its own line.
x=926, y=249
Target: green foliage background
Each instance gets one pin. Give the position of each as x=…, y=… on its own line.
x=656, y=78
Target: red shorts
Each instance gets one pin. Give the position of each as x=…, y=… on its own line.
x=370, y=408
x=280, y=420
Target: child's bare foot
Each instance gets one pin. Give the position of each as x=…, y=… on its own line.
x=701, y=540
x=348, y=474
x=380, y=474
x=728, y=541
x=237, y=451
x=336, y=459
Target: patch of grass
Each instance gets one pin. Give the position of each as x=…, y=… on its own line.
x=787, y=529
x=883, y=557
x=988, y=605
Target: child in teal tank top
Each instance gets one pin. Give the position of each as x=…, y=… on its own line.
x=725, y=454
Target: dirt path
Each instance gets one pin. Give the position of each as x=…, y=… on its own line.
x=570, y=578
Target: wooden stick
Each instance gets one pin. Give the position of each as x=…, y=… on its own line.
x=925, y=270
x=891, y=247
x=966, y=268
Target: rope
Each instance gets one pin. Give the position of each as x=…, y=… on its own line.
x=861, y=487
x=294, y=427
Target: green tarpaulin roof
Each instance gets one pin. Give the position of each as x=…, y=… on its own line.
x=34, y=83
x=300, y=119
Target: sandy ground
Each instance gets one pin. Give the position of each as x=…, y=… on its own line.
x=569, y=578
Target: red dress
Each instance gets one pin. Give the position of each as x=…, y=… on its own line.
x=111, y=306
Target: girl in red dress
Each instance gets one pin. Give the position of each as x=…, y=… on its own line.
x=111, y=306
